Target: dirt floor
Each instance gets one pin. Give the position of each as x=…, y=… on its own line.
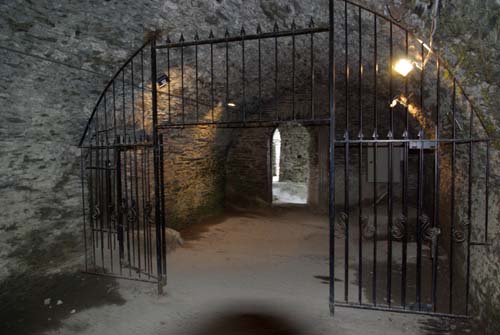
x=244, y=273
x=287, y=192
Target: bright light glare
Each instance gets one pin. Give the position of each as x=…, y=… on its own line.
x=403, y=67
x=231, y=104
x=402, y=100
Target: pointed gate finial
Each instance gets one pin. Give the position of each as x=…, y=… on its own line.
x=182, y=38
x=293, y=26
x=311, y=23
x=211, y=35
x=259, y=29
x=276, y=27
x=196, y=36
x=242, y=31
x=226, y=33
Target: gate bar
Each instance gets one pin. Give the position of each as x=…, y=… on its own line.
x=420, y=191
x=156, y=169
x=212, y=74
x=360, y=161
x=453, y=216
x=390, y=195
x=164, y=218
x=274, y=34
x=435, y=247
x=405, y=191
x=346, y=160
x=469, y=216
x=311, y=59
x=119, y=203
x=394, y=309
x=375, y=139
x=276, y=90
x=331, y=140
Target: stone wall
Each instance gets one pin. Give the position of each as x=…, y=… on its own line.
x=56, y=56
x=294, y=159
x=248, y=167
x=319, y=172
x=194, y=173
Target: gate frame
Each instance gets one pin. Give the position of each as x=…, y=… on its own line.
x=157, y=145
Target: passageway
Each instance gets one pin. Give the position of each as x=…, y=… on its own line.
x=262, y=272
x=249, y=167
x=290, y=164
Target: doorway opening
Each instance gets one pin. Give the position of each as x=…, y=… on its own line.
x=290, y=164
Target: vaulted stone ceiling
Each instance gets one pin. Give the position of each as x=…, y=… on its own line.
x=56, y=56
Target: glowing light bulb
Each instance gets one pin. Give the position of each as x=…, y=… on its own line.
x=403, y=67
x=402, y=100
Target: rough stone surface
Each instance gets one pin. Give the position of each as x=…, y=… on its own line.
x=55, y=58
x=248, y=167
x=294, y=159
x=194, y=173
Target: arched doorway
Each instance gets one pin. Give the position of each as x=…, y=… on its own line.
x=290, y=164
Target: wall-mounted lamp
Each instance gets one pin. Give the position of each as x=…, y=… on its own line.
x=231, y=104
x=163, y=80
x=402, y=100
x=405, y=66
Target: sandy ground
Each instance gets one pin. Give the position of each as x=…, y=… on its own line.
x=246, y=273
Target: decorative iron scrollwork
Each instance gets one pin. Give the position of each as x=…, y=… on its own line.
x=458, y=235
x=425, y=227
x=113, y=217
x=96, y=214
x=131, y=213
x=341, y=224
x=399, y=228
x=148, y=209
x=368, y=227
x=430, y=233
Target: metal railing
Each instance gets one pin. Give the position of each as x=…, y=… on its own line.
x=267, y=78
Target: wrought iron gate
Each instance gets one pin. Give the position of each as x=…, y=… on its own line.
x=407, y=151
x=122, y=168
x=410, y=155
